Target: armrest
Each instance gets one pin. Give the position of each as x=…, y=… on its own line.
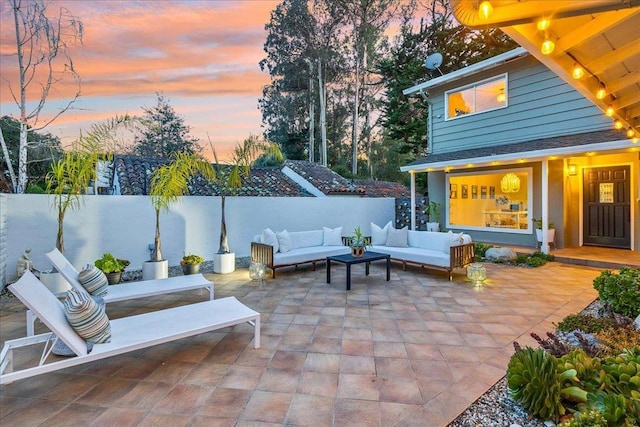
x=462, y=255
x=262, y=253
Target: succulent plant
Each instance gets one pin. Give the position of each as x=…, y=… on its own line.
x=586, y=323
x=621, y=290
x=589, y=418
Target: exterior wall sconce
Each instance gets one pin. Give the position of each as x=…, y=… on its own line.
x=572, y=169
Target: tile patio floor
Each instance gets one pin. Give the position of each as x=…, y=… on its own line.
x=415, y=351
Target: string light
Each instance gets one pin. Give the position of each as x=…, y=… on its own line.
x=601, y=93
x=578, y=72
x=609, y=111
x=543, y=24
x=547, y=47
x=630, y=133
x=485, y=10
x=618, y=124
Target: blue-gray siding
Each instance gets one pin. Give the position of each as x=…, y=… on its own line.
x=541, y=105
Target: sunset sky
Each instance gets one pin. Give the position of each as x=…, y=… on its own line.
x=202, y=55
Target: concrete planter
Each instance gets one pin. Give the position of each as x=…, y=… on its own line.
x=224, y=263
x=155, y=270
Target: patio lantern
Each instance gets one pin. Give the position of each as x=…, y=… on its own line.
x=257, y=271
x=477, y=273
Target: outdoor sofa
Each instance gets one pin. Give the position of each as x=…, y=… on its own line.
x=438, y=250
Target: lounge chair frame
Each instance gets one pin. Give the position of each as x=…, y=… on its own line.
x=127, y=333
x=133, y=290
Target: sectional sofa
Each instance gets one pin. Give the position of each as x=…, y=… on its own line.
x=439, y=250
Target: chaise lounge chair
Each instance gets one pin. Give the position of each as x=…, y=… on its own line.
x=127, y=333
x=133, y=290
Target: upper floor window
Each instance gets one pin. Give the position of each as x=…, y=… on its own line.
x=482, y=96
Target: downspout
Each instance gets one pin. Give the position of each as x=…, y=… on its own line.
x=413, y=199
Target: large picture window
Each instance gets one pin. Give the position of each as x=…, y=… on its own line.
x=482, y=96
x=491, y=201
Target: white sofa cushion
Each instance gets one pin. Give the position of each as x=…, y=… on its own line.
x=398, y=237
x=378, y=234
x=284, y=241
x=268, y=237
x=309, y=253
x=304, y=239
x=332, y=236
x=417, y=255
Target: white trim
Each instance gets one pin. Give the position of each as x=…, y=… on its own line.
x=413, y=201
x=468, y=71
x=529, y=156
x=527, y=170
x=499, y=77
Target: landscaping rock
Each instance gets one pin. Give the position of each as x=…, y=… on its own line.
x=636, y=323
x=500, y=255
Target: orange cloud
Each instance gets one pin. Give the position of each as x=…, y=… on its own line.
x=202, y=53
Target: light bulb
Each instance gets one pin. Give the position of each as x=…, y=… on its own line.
x=630, y=133
x=485, y=9
x=617, y=124
x=547, y=47
x=609, y=111
x=543, y=24
x=578, y=72
x=601, y=93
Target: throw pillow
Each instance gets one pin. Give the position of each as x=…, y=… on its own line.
x=284, y=241
x=332, y=237
x=94, y=280
x=268, y=237
x=379, y=235
x=453, y=239
x=87, y=317
x=398, y=237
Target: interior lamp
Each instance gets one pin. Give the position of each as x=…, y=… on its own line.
x=485, y=10
x=501, y=97
x=510, y=183
x=547, y=47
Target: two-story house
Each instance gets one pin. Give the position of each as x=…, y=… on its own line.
x=510, y=143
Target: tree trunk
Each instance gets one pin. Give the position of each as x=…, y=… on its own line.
x=22, y=160
x=156, y=255
x=60, y=236
x=224, y=242
x=5, y=151
x=312, y=148
x=356, y=107
x=323, y=114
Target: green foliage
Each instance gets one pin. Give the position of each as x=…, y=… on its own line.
x=162, y=132
x=358, y=240
x=110, y=264
x=481, y=250
x=432, y=210
x=70, y=175
x=621, y=290
x=590, y=418
x=532, y=377
x=585, y=323
x=192, y=259
x=537, y=223
x=535, y=259
x=33, y=188
x=615, y=339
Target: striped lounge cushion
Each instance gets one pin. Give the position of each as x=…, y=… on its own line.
x=87, y=317
x=94, y=280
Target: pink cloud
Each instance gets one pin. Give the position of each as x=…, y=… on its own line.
x=205, y=50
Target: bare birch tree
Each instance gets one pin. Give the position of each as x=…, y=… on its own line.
x=43, y=60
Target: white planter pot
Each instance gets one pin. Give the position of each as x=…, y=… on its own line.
x=224, y=263
x=55, y=283
x=155, y=270
x=551, y=235
x=433, y=226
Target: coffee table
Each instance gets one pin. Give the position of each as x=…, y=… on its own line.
x=349, y=260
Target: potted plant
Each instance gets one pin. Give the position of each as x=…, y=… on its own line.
x=551, y=230
x=228, y=180
x=358, y=242
x=168, y=183
x=191, y=264
x=432, y=210
x=71, y=174
x=112, y=267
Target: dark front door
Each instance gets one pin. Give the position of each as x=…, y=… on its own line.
x=607, y=207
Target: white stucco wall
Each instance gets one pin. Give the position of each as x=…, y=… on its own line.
x=125, y=225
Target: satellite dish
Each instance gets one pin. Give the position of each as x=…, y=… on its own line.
x=434, y=61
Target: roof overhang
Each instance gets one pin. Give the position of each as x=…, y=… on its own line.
x=478, y=67
x=599, y=35
x=526, y=156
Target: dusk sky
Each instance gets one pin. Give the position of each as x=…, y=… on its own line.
x=202, y=55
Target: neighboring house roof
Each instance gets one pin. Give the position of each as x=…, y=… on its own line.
x=131, y=174
x=531, y=150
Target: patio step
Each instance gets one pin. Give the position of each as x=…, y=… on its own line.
x=604, y=264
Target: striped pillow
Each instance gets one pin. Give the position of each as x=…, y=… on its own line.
x=87, y=317
x=94, y=280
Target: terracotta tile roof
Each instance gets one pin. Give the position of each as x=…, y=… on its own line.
x=535, y=145
x=133, y=174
